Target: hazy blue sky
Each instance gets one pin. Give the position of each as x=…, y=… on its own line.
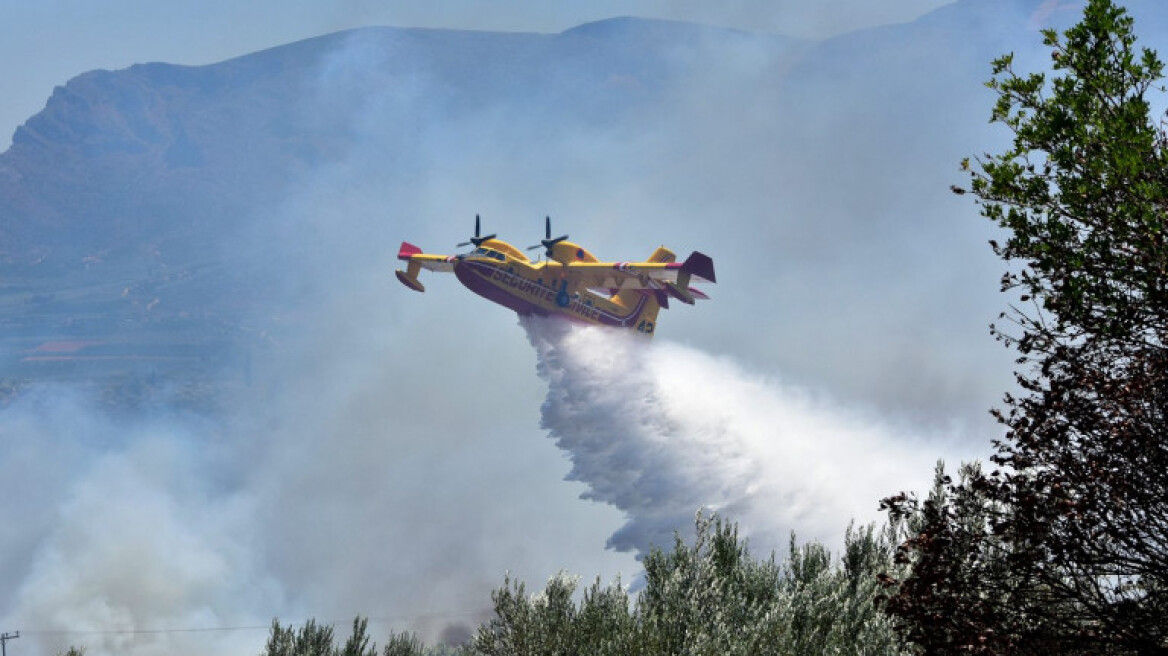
x=44, y=44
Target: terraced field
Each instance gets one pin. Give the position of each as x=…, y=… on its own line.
x=135, y=335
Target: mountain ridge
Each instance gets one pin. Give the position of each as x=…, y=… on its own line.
x=157, y=119
x=208, y=200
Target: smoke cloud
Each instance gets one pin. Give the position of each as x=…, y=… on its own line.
x=325, y=491
x=387, y=459
x=331, y=489
x=125, y=530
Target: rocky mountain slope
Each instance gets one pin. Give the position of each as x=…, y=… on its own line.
x=152, y=215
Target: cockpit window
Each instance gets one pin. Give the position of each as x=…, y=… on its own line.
x=491, y=253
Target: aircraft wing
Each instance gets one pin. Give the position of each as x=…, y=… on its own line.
x=672, y=277
x=417, y=260
x=410, y=253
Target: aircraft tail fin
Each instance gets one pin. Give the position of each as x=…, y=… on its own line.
x=631, y=297
x=698, y=267
x=653, y=300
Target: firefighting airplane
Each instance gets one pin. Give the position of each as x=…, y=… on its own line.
x=570, y=282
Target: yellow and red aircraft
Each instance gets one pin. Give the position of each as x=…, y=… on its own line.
x=570, y=282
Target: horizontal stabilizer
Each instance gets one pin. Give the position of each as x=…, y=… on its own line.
x=679, y=293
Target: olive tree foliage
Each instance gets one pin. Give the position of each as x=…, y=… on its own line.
x=708, y=597
x=552, y=622
x=1064, y=547
x=313, y=639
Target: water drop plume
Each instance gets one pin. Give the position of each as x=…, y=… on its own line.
x=661, y=430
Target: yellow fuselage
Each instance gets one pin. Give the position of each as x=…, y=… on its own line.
x=500, y=273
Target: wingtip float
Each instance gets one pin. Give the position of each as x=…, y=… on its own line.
x=569, y=281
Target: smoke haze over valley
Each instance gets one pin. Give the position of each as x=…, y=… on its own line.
x=217, y=406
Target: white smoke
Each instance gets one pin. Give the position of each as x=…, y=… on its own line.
x=388, y=462
x=176, y=534
x=329, y=501
x=660, y=430
x=121, y=529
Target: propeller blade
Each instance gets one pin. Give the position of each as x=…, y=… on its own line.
x=548, y=243
x=477, y=239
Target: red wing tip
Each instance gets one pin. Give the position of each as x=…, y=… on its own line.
x=407, y=250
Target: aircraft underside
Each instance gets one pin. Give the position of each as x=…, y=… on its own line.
x=544, y=298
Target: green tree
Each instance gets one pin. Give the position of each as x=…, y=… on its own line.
x=358, y=642
x=709, y=597
x=311, y=640
x=1065, y=547
x=404, y=644
x=314, y=639
x=552, y=623
x=962, y=594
